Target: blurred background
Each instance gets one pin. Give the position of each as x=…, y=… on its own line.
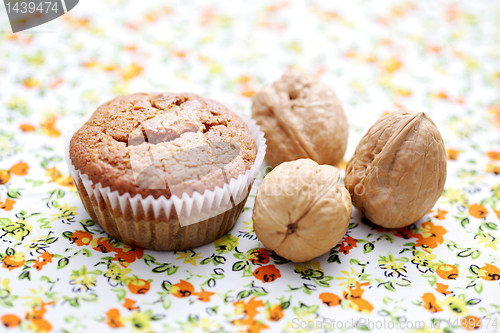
x=438, y=57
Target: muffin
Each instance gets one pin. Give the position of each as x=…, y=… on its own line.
x=165, y=171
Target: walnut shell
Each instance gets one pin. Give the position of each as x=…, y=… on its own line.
x=301, y=118
x=398, y=170
x=301, y=210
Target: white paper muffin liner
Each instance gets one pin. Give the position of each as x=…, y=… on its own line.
x=168, y=224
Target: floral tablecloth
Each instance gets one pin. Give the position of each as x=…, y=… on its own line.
x=60, y=273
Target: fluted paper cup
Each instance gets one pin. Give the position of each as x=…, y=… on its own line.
x=179, y=222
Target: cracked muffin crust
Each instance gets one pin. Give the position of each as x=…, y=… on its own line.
x=152, y=132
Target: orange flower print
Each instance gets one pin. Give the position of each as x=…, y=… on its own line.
x=356, y=301
x=494, y=155
x=440, y=214
x=102, y=244
x=57, y=177
x=430, y=303
x=329, y=299
x=391, y=65
x=182, y=289
x=27, y=127
x=4, y=177
x=441, y=95
x=10, y=320
x=451, y=154
x=478, y=211
x=131, y=71
x=180, y=54
x=14, y=261
x=442, y=289
x=186, y=289
x=259, y=256
x=75, y=22
x=497, y=212
x=489, y=272
x=66, y=181
x=493, y=169
x=431, y=235
x=248, y=93
x=129, y=304
x=43, y=260
x=19, y=169
x=347, y=244
x=37, y=322
x=204, y=296
x=139, y=286
x=470, y=323
x=48, y=127
x=8, y=205
x=31, y=83
x=249, y=308
x=447, y=272
x=127, y=255
x=81, y=238
x=113, y=318
x=267, y=273
x=256, y=327
x=275, y=312
x=405, y=233
x=342, y=165
x=403, y=92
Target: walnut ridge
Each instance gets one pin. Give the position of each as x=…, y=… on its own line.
x=398, y=170
x=301, y=210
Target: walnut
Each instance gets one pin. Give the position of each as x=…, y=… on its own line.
x=301, y=118
x=301, y=210
x=398, y=170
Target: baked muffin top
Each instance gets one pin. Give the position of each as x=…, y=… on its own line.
x=162, y=144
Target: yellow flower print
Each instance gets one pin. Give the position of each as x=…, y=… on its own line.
x=116, y=273
x=248, y=226
x=226, y=243
x=487, y=242
x=349, y=278
x=462, y=127
x=17, y=230
x=200, y=325
x=453, y=197
x=456, y=305
x=121, y=88
x=4, y=283
x=390, y=263
x=422, y=259
x=303, y=314
x=67, y=214
x=140, y=321
x=81, y=280
x=189, y=256
x=309, y=269
x=18, y=104
x=90, y=96
x=35, y=299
